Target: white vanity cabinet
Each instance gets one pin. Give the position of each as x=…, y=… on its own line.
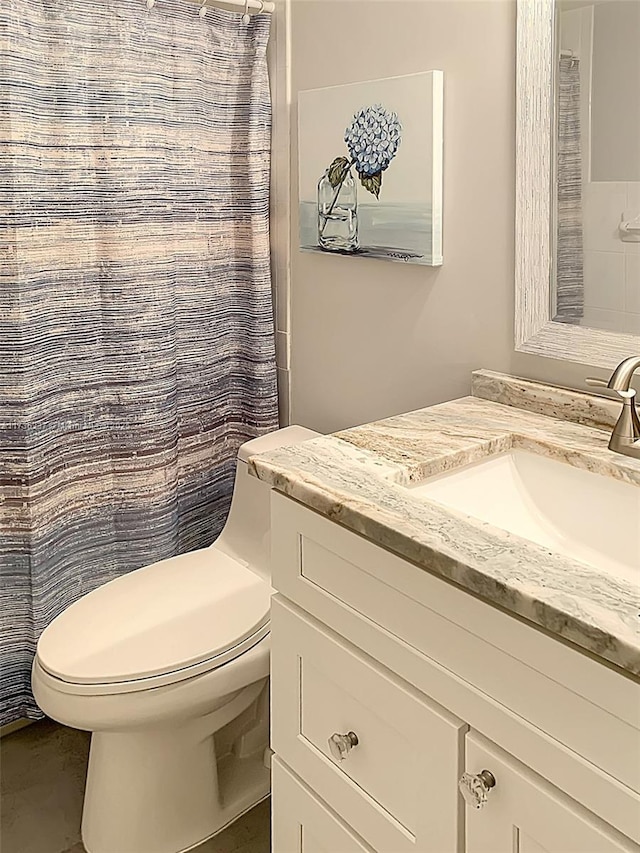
x=304, y=823
x=389, y=684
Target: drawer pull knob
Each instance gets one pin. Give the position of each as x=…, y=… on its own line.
x=475, y=787
x=341, y=745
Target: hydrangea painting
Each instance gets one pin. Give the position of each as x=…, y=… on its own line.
x=370, y=159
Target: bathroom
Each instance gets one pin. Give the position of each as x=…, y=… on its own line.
x=418, y=629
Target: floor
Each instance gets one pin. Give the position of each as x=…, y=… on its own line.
x=42, y=773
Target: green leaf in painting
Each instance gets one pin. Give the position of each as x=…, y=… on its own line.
x=338, y=171
x=373, y=183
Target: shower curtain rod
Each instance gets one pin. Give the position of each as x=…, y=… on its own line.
x=244, y=5
x=265, y=6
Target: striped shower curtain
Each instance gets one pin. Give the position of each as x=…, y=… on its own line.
x=136, y=339
x=569, y=256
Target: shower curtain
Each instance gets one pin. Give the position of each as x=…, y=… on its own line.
x=136, y=330
x=569, y=257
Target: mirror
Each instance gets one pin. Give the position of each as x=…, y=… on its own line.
x=597, y=164
x=578, y=180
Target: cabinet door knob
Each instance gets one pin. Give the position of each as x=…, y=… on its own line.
x=341, y=745
x=475, y=787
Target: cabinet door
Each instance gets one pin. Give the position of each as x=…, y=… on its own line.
x=302, y=823
x=397, y=787
x=526, y=814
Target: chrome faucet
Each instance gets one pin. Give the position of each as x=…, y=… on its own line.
x=625, y=437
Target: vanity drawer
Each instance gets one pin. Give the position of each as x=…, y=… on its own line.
x=398, y=786
x=302, y=823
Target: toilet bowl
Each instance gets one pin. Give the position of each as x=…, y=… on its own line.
x=168, y=668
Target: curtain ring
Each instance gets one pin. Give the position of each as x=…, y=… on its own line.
x=151, y=4
x=203, y=9
x=246, y=18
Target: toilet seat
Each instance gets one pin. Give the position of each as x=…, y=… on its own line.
x=158, y=625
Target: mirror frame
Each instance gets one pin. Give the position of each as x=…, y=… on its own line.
x=535, y=331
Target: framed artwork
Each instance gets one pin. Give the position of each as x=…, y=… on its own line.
x=370, y=169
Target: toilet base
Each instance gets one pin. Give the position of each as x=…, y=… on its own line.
x=250, y=781
x=167, y=790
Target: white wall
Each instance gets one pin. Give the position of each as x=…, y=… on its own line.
x=369, y=338
x=611, y=266
x=615, y=96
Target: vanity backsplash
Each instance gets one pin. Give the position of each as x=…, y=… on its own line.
x=556, y=402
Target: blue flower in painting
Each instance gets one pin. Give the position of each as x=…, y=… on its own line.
x=372, y=139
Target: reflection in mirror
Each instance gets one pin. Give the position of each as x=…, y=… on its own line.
x=597, y=204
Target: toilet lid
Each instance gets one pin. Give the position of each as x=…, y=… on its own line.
x=162, y=618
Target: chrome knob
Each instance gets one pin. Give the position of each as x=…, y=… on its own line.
x=475, y=787
x=341, y=745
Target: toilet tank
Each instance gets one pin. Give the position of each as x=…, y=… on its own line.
x=245, y=536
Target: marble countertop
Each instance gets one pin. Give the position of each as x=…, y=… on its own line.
x=358, y=477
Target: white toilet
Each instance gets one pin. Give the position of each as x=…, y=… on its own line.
x=168, y=668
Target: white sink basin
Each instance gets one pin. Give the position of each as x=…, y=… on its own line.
x=581, y=515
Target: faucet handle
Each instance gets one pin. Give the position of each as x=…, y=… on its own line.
x=602, y=383
x=594, y=381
